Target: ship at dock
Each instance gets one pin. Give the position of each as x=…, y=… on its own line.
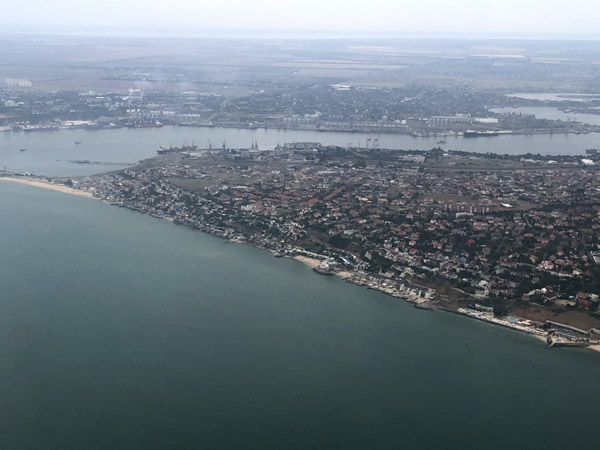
x=170, y=149
x=474, y=133
x=39, y=128
x=145, y=124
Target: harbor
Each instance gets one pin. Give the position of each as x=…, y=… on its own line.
x=49, y=152
x=167, y=186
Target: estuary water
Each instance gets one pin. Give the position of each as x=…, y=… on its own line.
x=49, y=153
x=119, y=331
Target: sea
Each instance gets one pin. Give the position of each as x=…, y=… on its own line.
x=122, y=331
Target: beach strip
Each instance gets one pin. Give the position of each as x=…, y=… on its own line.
x=310, y=262
x=37, y=182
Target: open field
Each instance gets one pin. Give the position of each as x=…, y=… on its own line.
x=484, y=64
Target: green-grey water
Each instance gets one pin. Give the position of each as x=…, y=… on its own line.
x=120, y=331
x=49, y=153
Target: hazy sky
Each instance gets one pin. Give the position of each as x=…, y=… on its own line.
x=496, y=16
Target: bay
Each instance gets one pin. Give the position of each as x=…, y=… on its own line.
x=122, y=331
x=48, y=153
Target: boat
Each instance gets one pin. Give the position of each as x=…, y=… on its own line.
x=38, y=128
x=146, y=124
x=184, y=148
x=77, y=142
x=473, y=133
x=23, y=149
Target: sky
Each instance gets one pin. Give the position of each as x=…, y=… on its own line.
x=551, y=17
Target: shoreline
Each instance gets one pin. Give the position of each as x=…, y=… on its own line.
x=351, y=130
x=310, y=262
x=40, y=183
x=313, y=263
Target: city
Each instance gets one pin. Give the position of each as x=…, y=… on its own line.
x=447, y=230
x=299, y=225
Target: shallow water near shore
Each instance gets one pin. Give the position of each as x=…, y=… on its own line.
x=122, y=331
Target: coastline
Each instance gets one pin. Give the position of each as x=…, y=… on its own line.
x=352, y=129
x=357, y=130
x=310, y=262
x=314, y=263
x=37, y=182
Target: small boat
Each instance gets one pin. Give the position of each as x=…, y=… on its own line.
x=23, y=149
x=77, y=142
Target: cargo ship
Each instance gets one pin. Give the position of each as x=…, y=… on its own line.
x=473, y=133
x=145, y=124
x=184, y=148
x=34, y=128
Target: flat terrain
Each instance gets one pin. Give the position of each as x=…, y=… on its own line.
x=103, y=63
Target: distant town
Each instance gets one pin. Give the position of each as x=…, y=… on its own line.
x=411, y=110
x=419, y=87
x=512, y=240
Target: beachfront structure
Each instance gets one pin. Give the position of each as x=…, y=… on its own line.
x=568, y=331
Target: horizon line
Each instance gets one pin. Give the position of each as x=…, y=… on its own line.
x=308, y=34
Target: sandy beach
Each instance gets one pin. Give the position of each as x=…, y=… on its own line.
x=47, y=185
x=313, y=262
x=343, y=274
x=310, y=262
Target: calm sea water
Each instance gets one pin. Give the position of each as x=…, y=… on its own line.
x=120, y=331
x=48, y=152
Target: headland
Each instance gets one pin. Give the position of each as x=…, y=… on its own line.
x=429, y=227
